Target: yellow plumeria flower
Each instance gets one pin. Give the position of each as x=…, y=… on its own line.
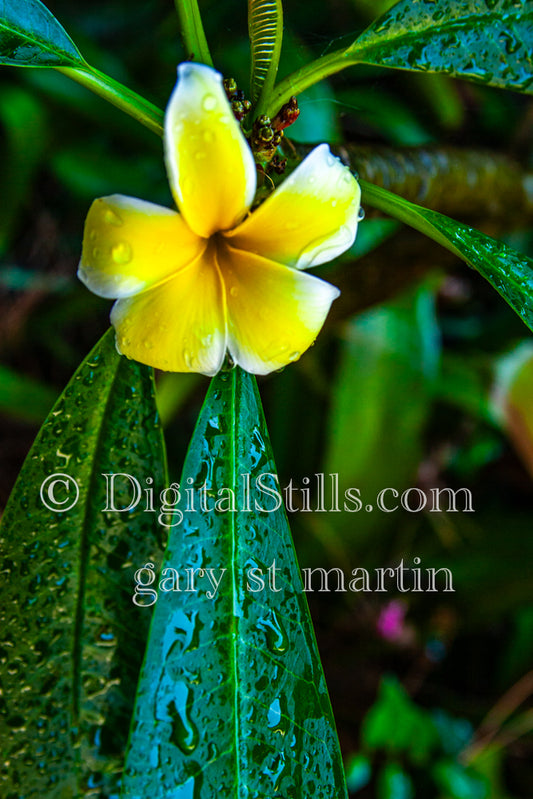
x=214, y=277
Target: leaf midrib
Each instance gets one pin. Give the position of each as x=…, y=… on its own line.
x=235, y=631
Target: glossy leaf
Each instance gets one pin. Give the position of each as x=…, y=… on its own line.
x=265, y=28
x=72, y=638
x=507, y=270
x=232, y=699
x=30, y=36
x=487, y=41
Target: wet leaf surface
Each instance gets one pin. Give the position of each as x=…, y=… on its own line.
x=232, y=700
x=72, y=639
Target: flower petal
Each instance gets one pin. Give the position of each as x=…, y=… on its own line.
x=210, y=165
x=274, y=312
x=178, y=325
x=308, y=220
x=129, y=245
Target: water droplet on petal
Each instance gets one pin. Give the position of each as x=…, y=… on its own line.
x=97, y=252
x=209, y=103
x=112, y=218
x=121, y=253
x=294, y=356
x=234, y=291
x=361, y=214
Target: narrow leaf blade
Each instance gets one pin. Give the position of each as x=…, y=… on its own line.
x=508, y=271
x=71, y=640
x=232, y=699
x=265, y=27
x=30, y=36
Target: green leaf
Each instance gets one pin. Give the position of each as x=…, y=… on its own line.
x=487, y=41
x=507, y=270
x=192, y=31
x=265, y=28
x=388, y=363
x=72, y=638
x=24, y=398
x=30, y=36
x=232, y=699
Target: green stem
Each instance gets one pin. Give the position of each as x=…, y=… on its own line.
x=398, y=208
x=302, y=79
x=192, y=32
x=118, y=95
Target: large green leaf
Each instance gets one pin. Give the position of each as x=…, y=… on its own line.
x=481, y=40
x=232, y=700
x=72, y=638
x=508, y=271
x=30, y=36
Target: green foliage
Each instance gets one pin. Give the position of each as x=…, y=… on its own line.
x=420, y=740
x=72, y=641
x=393, y=395
x=480, y=40
x=30, y=36
x=232, y=697
x=508, y=271
x=388, y=361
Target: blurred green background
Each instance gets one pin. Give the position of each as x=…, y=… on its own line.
x=422, y=377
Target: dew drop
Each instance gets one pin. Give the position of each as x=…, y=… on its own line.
x=184, y=733
x=97, y=252
x=121, y=253
x=361, y=214
x=209, y=103
x=294, y=356
x=188, y=358
x=112, y=218
x=277, y=640
x=93, y=235
x=234, y=291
